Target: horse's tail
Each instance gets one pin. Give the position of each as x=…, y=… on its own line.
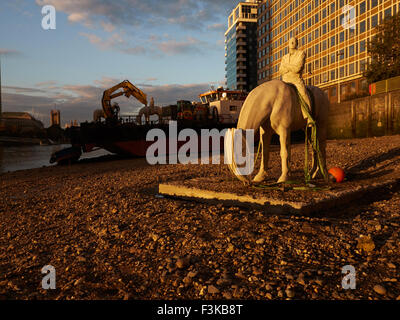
x=230, y=152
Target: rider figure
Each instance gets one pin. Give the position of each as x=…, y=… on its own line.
x=291, y=68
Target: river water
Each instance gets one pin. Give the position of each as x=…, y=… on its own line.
x=29, y=157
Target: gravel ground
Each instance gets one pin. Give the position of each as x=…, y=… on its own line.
x=109, y=236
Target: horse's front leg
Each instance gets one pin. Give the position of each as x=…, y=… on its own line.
x=265, y=138
x=284, y=139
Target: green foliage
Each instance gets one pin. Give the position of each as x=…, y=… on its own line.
x=384, y=49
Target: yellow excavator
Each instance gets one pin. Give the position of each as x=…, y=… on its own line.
x=128, y=89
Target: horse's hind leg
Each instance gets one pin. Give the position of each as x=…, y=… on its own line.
x=284, y=138
x=265, y=138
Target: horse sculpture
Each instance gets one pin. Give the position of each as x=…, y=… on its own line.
x=274, y=106
x=147, y=112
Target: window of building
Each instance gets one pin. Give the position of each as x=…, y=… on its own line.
x=324, y=29
x=316, y=64
x=316, y=18
x=323, y=13
x=351, y=69
x=333, y=59
x=362, y=7
x=309, y=23
x=324, y=77
x=316, y=35
x=310, y=37
x=341, y=54
x=333, y=73
x=332, y=24
x=341, y=36
x=333, y=41
x=363, y=65
x=332, y=7
x=316, y=80
x=324, y=61
x=362, y=26
x=388, y=12
x=362, y=46
x=374, y=21
x=351, y=50
x=324, y=45
x=309, y=52
x=374, y=3
x=341, y=3
x=316, y=50
x=352, y=31
x=341, y=72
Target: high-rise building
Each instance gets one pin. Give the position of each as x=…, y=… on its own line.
x=334, y=35
x=55, y=118
x=241, y=47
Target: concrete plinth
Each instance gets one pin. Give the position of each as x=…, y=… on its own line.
x=271, y=201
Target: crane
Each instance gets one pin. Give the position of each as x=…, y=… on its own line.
x=128, y=89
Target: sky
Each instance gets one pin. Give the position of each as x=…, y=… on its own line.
x=170, y=49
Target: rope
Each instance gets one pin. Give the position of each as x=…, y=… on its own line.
x=314, y=143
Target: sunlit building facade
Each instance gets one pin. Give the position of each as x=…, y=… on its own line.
x=334, y=35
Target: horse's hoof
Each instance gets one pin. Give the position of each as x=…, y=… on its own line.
x=259, y=177
x=283, y=179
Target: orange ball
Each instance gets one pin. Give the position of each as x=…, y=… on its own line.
x=337, y=174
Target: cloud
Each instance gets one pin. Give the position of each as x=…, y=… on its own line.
x=22, y=89
x=220, y=27
x=9, y=52
x=46, y=84
x=115, y=40
x=134, y=50
x=195, y=14
x=107, y=26
x=153, y=45
x=190, y=45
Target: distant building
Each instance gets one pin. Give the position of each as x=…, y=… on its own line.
x=241, y=47
x=20, y=123
x=55, y=118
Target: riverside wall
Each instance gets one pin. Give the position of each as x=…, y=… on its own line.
x=376, y=115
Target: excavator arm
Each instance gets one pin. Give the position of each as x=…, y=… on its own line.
x=128, y=89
